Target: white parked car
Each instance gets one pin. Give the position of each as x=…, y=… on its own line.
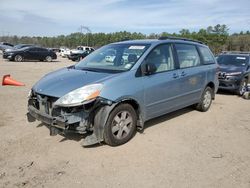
x=64, y=52
x=81, y=49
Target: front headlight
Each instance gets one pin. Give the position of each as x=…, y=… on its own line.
x=233, y=73
x=9, y=54
x=80, y=96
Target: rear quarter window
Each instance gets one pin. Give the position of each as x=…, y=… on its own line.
x=206, y=55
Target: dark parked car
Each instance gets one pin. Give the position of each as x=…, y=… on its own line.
x=234, y=74
x=30, y=53
x=5, y=45
x=79, y=56
x=16, y=47
x=113, y=97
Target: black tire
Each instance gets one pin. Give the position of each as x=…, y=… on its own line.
x=48, y=58
x=118, y=130
x=206, y=100
x=18, y=58
x=78, y=59
x=242, y=87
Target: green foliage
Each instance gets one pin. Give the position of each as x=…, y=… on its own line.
x=216, y=37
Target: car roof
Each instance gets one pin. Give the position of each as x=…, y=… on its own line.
x=157, y=41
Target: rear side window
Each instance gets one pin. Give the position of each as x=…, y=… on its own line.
x=187, y=55
x=207, y=55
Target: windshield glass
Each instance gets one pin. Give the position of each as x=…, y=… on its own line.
x=21, y=46
x=113, y=58
x=18, y=46
x=236, y=60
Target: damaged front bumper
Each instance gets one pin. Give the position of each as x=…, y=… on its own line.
x=79, y=119
x=74, y=122
x=231, y=83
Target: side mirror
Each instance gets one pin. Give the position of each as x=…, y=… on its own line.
x=148, y=68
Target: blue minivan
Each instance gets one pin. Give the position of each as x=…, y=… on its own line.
x=117, y=88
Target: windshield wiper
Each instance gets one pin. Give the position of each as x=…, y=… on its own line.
x=91, y=69
x=100, y=70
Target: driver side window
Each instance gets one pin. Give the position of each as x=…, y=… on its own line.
x=162, y=58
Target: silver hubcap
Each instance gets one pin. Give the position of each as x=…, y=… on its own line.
x=18, y=58
x=122, y=124
x=48, y=58
x=207, y=99
x=243, y=88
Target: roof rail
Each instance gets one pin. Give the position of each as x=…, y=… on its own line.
x=235, y=52
x=179, y=38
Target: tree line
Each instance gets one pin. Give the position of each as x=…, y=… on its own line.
x=216, y=37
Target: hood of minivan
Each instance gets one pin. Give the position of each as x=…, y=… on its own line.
x=231, y=68
x=62, y=81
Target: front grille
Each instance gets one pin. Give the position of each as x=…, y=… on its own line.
x=43, y=103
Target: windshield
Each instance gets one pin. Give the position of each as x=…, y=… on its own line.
x=21, y=46
x=113, y=58
x=236, y=60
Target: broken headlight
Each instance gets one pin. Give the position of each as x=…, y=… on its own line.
x=80, y=96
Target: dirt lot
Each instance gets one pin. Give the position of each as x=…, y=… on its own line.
x=186, y=148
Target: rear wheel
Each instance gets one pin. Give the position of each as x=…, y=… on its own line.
x=18, y=58
x=48, y=58
x=121, y=125
x=206, y=100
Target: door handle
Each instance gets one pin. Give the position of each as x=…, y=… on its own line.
x=175, y=75
x=183, y=73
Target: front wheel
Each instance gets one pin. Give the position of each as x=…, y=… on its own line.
x=18, y=58
x=206, y=100
x=121, y=125
x=243, y=87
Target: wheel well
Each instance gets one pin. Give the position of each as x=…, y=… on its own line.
x=211, y=85
x=136, y=106
x=133, y=103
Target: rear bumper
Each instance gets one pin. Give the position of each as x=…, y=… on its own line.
x=54, y=56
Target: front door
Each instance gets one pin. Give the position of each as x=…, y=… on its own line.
x=161, y=89
x=32, y=54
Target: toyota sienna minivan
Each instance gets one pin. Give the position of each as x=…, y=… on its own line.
x=141, y=80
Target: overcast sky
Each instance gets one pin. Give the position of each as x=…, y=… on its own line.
x=56, y=17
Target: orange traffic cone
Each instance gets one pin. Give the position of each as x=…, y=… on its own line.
x=7, y=80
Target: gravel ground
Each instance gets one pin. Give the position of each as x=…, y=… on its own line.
x=186, y=148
